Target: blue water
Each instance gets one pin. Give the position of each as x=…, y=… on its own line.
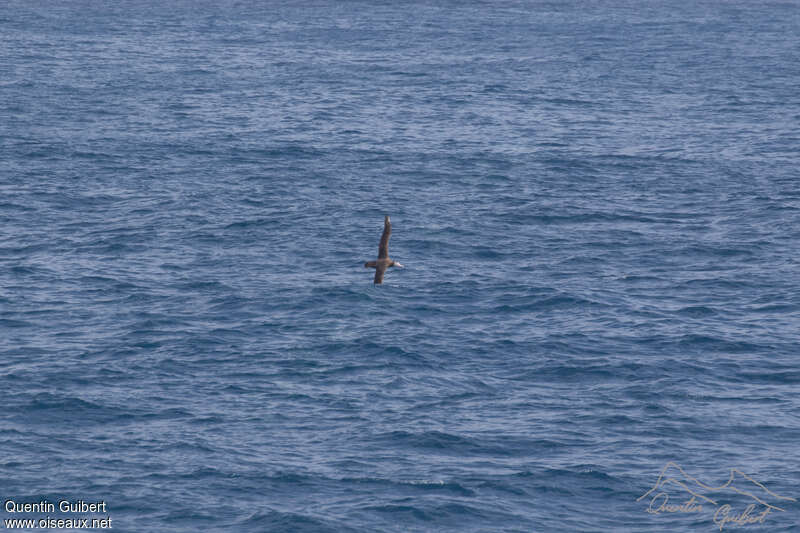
x=597, y=205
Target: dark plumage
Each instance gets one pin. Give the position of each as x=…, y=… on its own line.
x=383, y=261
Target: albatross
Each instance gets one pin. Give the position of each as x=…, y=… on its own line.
x=383, y=261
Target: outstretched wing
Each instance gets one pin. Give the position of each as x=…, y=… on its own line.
x=383, y=249
x=379, y=270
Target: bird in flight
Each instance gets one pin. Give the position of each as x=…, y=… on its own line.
x=383, y=261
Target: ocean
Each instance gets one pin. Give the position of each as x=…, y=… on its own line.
x=598, y=323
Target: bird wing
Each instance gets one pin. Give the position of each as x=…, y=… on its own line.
x=379, y=270
x=383, y=249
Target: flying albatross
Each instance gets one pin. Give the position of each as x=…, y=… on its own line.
x=383, y=261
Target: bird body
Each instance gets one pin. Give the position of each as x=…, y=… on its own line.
x=384, y=261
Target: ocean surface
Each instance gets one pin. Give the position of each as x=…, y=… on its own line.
x=597, y=204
